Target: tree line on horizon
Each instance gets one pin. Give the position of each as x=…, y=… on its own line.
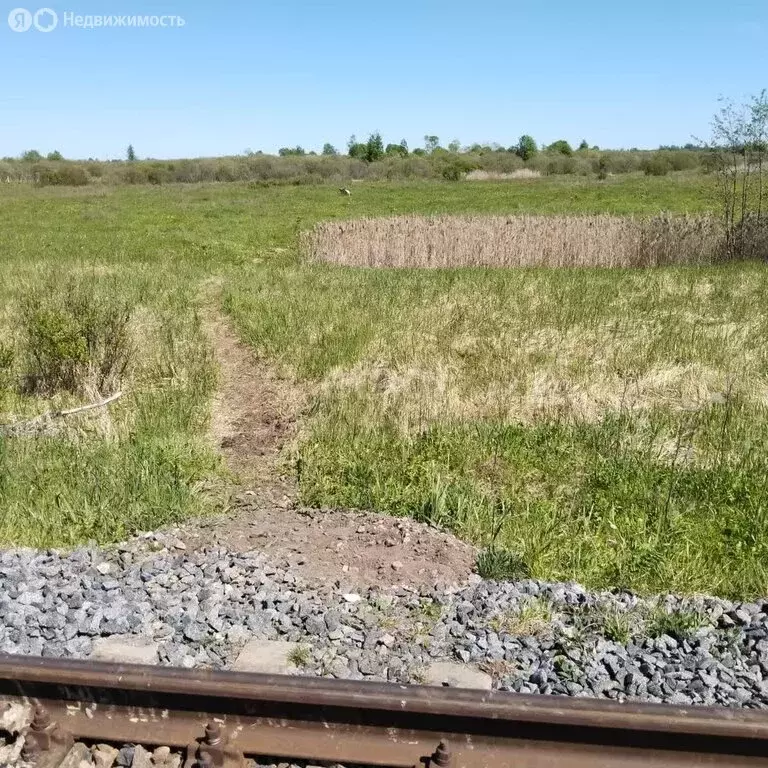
x=739, y=144
x=374, y=150
x=526, y=148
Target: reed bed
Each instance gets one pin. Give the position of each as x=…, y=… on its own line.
x=517, y=241
x=520, y=173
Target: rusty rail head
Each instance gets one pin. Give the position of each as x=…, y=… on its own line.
x=389, y=697
x=219, y=716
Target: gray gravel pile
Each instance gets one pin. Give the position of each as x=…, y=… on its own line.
x=531, y=637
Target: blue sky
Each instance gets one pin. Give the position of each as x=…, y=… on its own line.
x=270, y=73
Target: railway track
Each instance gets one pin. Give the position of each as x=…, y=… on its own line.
x=221, y=718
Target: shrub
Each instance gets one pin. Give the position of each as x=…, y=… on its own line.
x=656, y=165
x=617, y=161
x=498, y=162
x=161, y=173
x=134, y=174
x=64, y=175
x=560, y=165
x=602, y=168
x=75, y=338
x=681, y=159
x=453, y=167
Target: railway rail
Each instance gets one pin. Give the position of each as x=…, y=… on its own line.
x=221, y=718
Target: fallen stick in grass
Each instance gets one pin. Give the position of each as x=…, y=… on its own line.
x=28, y=427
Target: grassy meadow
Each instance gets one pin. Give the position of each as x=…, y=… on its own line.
x=603, y=425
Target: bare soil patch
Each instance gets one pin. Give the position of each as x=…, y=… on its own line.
x=254, y=416
x=355, y=549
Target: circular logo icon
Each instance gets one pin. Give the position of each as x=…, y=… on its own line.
x=45, y=20
x=19, y=19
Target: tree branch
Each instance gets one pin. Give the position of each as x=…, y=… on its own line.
x=21, y=427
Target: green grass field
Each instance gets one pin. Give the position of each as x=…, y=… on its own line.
x=607, y=426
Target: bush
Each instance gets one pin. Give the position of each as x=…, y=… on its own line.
x=617, y=161
x=134, y=173
x=64, y=175
x=560, y=165
x=75, y=338
x=682, y=160
x=453, y=167
x=656, y=165
x=498, y=162
x=602, y=168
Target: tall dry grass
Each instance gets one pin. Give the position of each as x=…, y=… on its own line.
x=517, y=241
x=521, y=173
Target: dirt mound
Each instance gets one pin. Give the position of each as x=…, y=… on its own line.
x=358, y=549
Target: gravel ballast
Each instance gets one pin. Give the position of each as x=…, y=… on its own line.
x=202, y=607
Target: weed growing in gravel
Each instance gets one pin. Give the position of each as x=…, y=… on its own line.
x=567, y=669
x=620, y=625
x=384, y=615
x=387, y=621
x=428, y=612
x=532, y=617
x=676, y=624
x=300, y=656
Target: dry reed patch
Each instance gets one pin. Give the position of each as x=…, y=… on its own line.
x=521, y=173
x=517, y=241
